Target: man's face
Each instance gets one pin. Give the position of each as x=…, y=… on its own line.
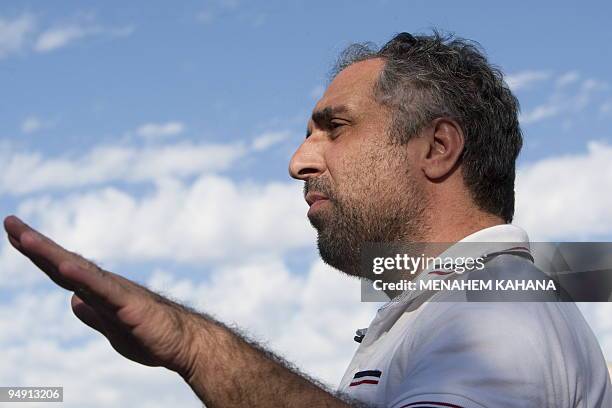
x=360, y=187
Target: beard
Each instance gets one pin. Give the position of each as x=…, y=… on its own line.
x=346, y=225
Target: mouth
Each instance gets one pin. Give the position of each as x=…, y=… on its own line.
x=315, y=200
x=312, y=198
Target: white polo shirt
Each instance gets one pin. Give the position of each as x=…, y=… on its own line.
x=454, y=354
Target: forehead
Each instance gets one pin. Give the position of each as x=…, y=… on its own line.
x=353, y=87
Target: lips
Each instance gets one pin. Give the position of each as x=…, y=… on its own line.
x=312, y=198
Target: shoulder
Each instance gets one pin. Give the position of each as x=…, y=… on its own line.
x=492, y=354
x=503, y=353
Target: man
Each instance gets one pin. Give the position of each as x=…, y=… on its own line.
x=415, y=142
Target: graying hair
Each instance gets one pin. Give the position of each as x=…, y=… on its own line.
x=431, y=76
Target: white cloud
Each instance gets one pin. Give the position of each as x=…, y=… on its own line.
x=592, y=84
x=45, y=304
x=80, y=360
x=524, y=79
x=21, y=34
x=43, y=343
x=160, y=130
x=311, y=319
x=61, y=36
x=16, y=271
x=33, y=124
x=209, y=219
x=23, y=173
x=568, y=96
x=230, y=9
x=541, y=112
x=566, y=99
x=567, y=196
x=308, y=318
x=14, y=33
x=567, y=78
x=268, y=139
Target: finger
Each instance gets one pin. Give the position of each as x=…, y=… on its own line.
x=15, y=227
x=32, y=243
x=52, y=272
x=14, y=242
x=99, y=286
x=46, y=254
x=87, y=314
x=42, y=264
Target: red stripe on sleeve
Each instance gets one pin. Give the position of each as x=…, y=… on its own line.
x=363, y=382
x=437, y=404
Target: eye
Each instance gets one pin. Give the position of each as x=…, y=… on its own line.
x=335, y=127
x=335, y=124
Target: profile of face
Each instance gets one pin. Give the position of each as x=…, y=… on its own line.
x=361, y=187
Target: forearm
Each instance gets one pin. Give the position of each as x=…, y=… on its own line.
x=227, y=370
x=222, y=368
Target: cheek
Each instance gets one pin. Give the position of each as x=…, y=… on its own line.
x=347, y=163
x=362, y=173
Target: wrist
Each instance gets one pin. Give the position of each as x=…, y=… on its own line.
x=203, y=337
x=191, y=355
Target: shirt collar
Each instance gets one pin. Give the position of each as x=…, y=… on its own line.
x=499, y=233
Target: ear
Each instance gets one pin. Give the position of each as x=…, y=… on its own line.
x=445, y=143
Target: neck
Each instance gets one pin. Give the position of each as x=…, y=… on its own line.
x=454, y=228
x=455, y=216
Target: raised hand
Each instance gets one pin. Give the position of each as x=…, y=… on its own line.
x=140, y=324
x=222, y=368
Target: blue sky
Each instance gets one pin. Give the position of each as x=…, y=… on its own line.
x=154, y=137
x=228, y=69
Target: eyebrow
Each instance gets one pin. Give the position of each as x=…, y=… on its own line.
x=324, y=116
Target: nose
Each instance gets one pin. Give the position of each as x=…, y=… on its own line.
x=307, y=161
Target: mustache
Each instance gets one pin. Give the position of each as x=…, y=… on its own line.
x=320, y=185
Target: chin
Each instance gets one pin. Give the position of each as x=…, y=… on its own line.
x=336, y=255
x=317, y=220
